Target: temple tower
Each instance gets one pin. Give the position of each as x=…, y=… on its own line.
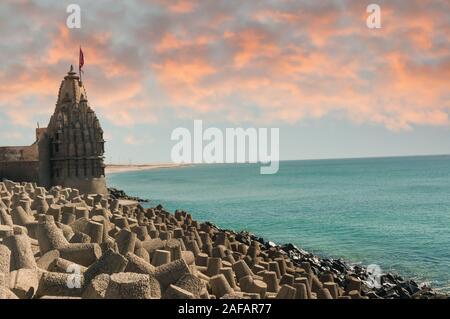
x=75, y=140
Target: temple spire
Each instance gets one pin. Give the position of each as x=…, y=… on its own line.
x=76, y=140
x=71, y=72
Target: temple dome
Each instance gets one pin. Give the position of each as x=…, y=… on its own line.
x=71, y=88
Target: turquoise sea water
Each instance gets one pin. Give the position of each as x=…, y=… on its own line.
x=394, y=212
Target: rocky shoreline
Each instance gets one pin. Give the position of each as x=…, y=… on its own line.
x=58, y=243
x=115, y=193
x=374, y=286
x=389, y=285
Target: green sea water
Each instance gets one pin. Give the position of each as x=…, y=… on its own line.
x=394, y=212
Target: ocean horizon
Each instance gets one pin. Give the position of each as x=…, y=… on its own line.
x=390, y=211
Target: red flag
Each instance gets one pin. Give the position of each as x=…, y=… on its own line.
x=81, y=60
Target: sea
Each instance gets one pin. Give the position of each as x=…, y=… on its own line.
x=389, y=212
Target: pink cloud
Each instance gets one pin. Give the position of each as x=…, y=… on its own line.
x=263, y=62
x=182, y=6
x=170, y=42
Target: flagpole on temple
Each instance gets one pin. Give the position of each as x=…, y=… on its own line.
x=80, y=64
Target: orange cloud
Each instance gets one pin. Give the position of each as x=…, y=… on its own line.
x=170, y=42
x=262, y=61
x=182, y=6
x=183, y=72
x=251, y=45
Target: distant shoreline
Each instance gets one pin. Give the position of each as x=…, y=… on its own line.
x=120, y=168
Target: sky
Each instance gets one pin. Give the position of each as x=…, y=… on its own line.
x=313, y=69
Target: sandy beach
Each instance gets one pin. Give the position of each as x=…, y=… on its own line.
x=119, y=168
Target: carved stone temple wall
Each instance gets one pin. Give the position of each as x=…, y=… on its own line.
x=69, y=152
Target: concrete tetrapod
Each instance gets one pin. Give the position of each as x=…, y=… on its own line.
x=132, y=286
